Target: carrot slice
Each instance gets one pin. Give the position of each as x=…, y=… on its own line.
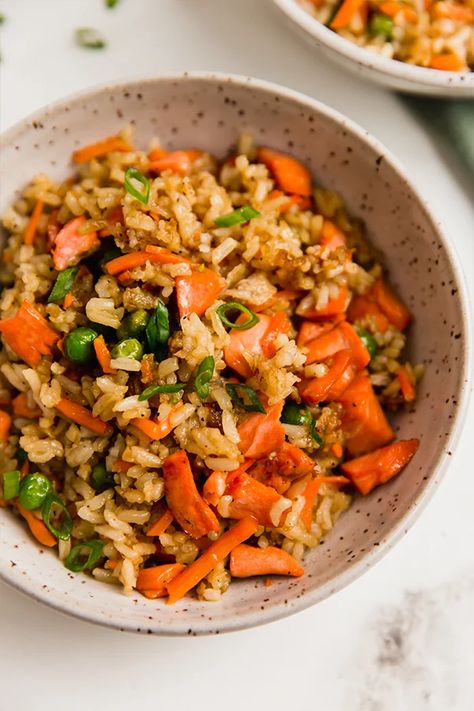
x=101, y=148
x=278, y=325
x=453, y=11
x=290, y=175
x=364, y=423
x=391, y=8
x=103, y=355
x=22, y=409
x=261, y=434
x=37, y=527
x=176, y=161
x=215, y=484
x=381, y=465
x=114, y=218
x=197, y=291
x=161, y=524
x=334, y=307
x=345, y=13
x=138, y=259
x=330, y=386
x=70, y=246
x=216, y=552
x=246, y=342
x=278, y=298
x=251, y=497
x=280, y=469
x=246, y=561
x=309, y=330
x=331, y=236
x=363, y=306
x=5, y=424
x=82, y=416
x=406, y=386
x=157, y=429
x=152, y=582
x=339, y=338
x=30, y=232
x=447, y=62
x=311, y=491
x=396, y=312
x=29, y=334
x=186, y=504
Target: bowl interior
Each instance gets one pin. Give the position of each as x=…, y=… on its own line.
x=209, y=112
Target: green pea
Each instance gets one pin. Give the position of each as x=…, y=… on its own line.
x=33, y=491
x=368, y=340
x=101, y=479
x=79, y=345
x=128, y=348
x=381, y=25
x=133, y=325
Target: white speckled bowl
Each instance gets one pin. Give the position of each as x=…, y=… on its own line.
x=208, y=111
x=389, y=72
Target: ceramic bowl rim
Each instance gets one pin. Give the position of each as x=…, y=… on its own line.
x=279, y=610
x=402, y=71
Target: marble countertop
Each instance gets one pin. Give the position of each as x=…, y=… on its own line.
x=399, y=638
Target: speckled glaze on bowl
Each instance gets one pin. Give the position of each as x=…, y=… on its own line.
x=208, y=111
x=368, y=65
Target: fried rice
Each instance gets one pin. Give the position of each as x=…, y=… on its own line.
x=196, y=353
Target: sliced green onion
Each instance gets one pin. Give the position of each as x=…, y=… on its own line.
x=368, y=340
x=76, y=560
x=314, y=433
x=158, y=329
x=237, y=217
x=11, y=484
x=294, y=414
x=203, y=376
x=63, y=284
x=33, y=491
x=155, y=389
x=224, y=309
x=381, y=25
x=2, y=18
x=248, y=400
x=134, y=174
x=53, y=509
x=101, y=479
x=89, y=38
x=111, y=3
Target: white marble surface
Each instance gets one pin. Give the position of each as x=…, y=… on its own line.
x=398, y=639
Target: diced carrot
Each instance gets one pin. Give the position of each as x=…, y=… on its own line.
x=101, y=148
x=261, y=434
x=362, y=307
x=406, y=386
x=122, y=466
x=251, y=497
x=67, y=301
x=396, y=312
x=152, y=582
x=22, y=409
x=450, y=62
x=29, y=334
x=37, y=527
x=157, y=153
x=103, y=355
x=5, y=425
x=82, y=416
x=138, y=259
x=245, y=342
x=278, y=325
x=278, y=298
x=335, y=306
x=364, y=423
x=309, y=330
x=379, y=466
x=125, y=278
x=215, y=484
x=157, y=429
x=246, y=561
x=176, y=161
x=330, y=386
x=311, y=491
x=197, y=291
x=331, y=236
x=337, y=449
x=161, y=524
x=70, y=246
x=343, y=336
x=186, y=504
x=169, y=257
x=391, y=8
x=216, y=553
x=453, y=11
x=53, y=228
x=278, y=470
x=345, y=13
x=30, y=232
x=303, y=202
x=114, y=218
x=290, y=175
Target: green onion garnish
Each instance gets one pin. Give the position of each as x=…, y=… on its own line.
x=63, y=284
x=294, y=414
x=155, y=389
x=368, y=340
x=101, y=479
x=11, y=484
x=203, y=376
x=230, y=306
x=158, y=329
x=89, y=38
x=54, y=510
x=2, y=18
x=134, y=174
x=381, y=25
x=33, y=491
x=111, y=3
x=314, y=434
x=237, y=217
x=77, y=560
x=248, y=400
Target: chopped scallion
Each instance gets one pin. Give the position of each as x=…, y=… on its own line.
x=203, y=376
x=156, y=389
x=135, y=175
x=77, y=560
x=230, y=306
x=158, y=329
x=56, y=517
x=89, y=38
x=237, y=217
x=248, y=399
x=11, y=484
x=63, y=284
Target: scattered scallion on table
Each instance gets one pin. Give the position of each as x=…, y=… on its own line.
x=111, y=3
x=89, y=38
x=56, y=517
